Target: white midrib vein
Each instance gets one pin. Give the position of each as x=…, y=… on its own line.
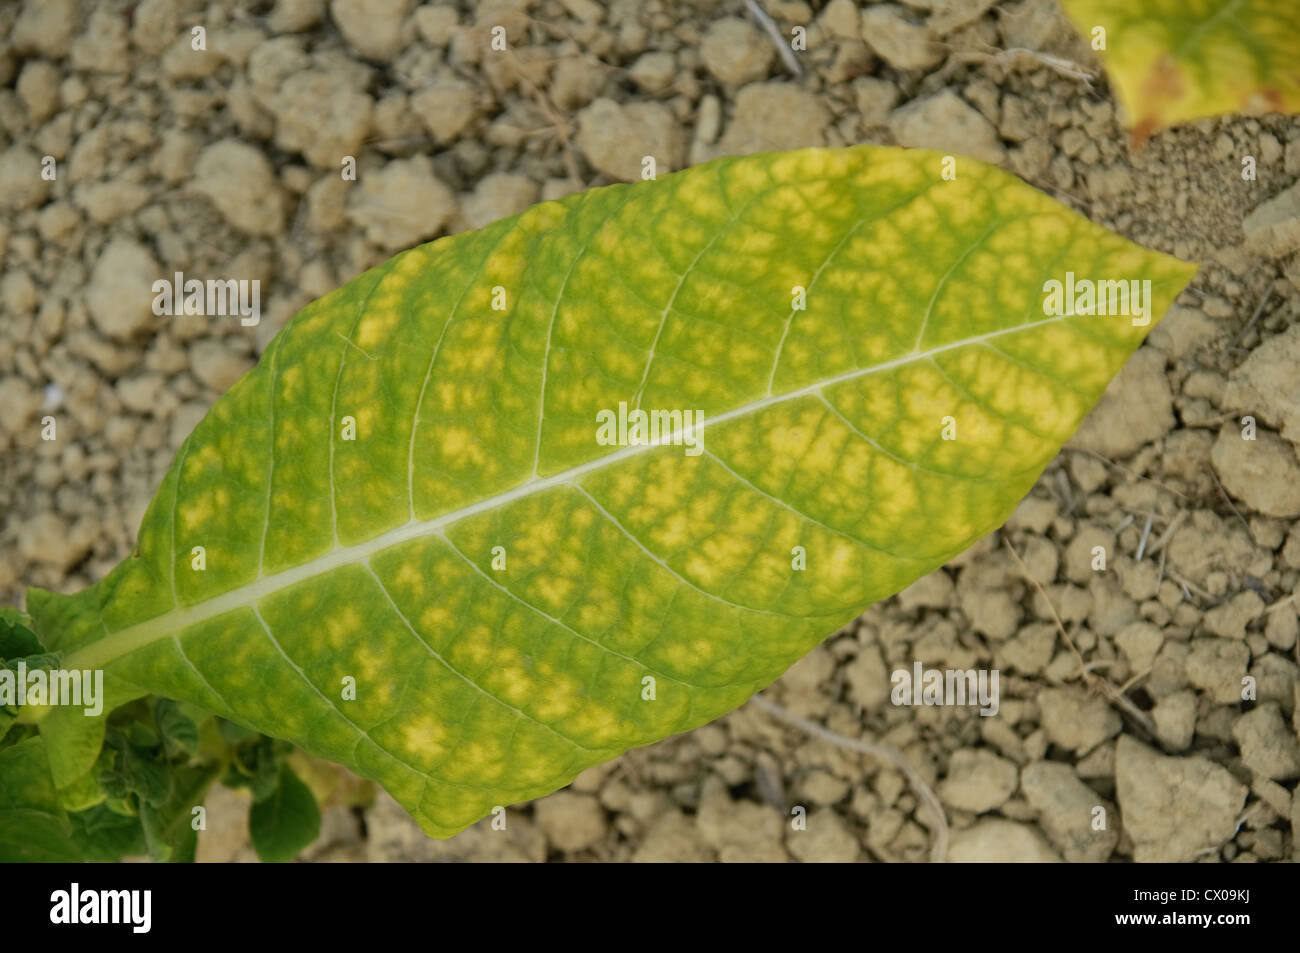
x=132, y=637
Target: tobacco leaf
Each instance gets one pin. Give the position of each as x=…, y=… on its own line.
x=418, y=561
x=1173, y=61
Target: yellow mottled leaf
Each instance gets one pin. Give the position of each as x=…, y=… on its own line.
x=1172, y=61
x=489, y=583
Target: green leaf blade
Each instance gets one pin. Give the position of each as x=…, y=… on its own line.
x=283, y=823
x=644, y=591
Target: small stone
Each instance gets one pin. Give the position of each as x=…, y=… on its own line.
x=321, y=115
x=1034, y=513
x=992, y=612
x=1229, y=619
x=140, y=393
x=21, y=401
x=1183, y=331
x=106, y=202
x=497, y=196
x=899, y=42
x=294, y=16
x=436, y=23
x=576, y=82
x=997, y=841
x=1136, y=409
x=372, y=27
x=104, y=46
x=1066, y=812
x=825, y=840
x=774, y=117
x=1139, y=580
x=671, y=838
x=1268, y=745
x=1282, y=628
x=949, y=15
x=823, y=788
x=1263, y=472
x=174, y=159
x=45, y=27
x=735, y=52
x=47, y=539
x=946, y=123
x=216, y=365
x=587, y=11
x=932, y=591
x=740, y=831
x=239, y=181
x=447, y=108
x=1140, y=642
x=1264, y=383
x=1079, y=554
x=1076, y=720
x=38, y=88
x=616, y=137
x=654, y=72
x=21, y=185
x=401, y=204
x=1175, y=719
x=571, y=822
x=1274, y=227
x=868, y=678
x=874, y=98
x=1174, y=808
x=155, y=25
x=1031, y=649
x=271, y=63
x=327, y=203
x=1217, y=666
x=120, y=295
x=977, y=781
x=182, y=63
x=553, y=189
x=18, y=292
x=841, y=20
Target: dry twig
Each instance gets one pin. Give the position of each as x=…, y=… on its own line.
x=939, y=848
x=1095, y=682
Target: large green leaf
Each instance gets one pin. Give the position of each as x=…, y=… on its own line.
x=644, y=590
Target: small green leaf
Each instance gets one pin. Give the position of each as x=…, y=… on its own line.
x=28, y=835
x=33, y=826
x=256, y=766
x=103, y=834
x=179, y=733
x=421, y=559
x=16, y=639
x=82, y=793
x=73, y=739
x=168, y=827
x=140, y=770
x=286, y=821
